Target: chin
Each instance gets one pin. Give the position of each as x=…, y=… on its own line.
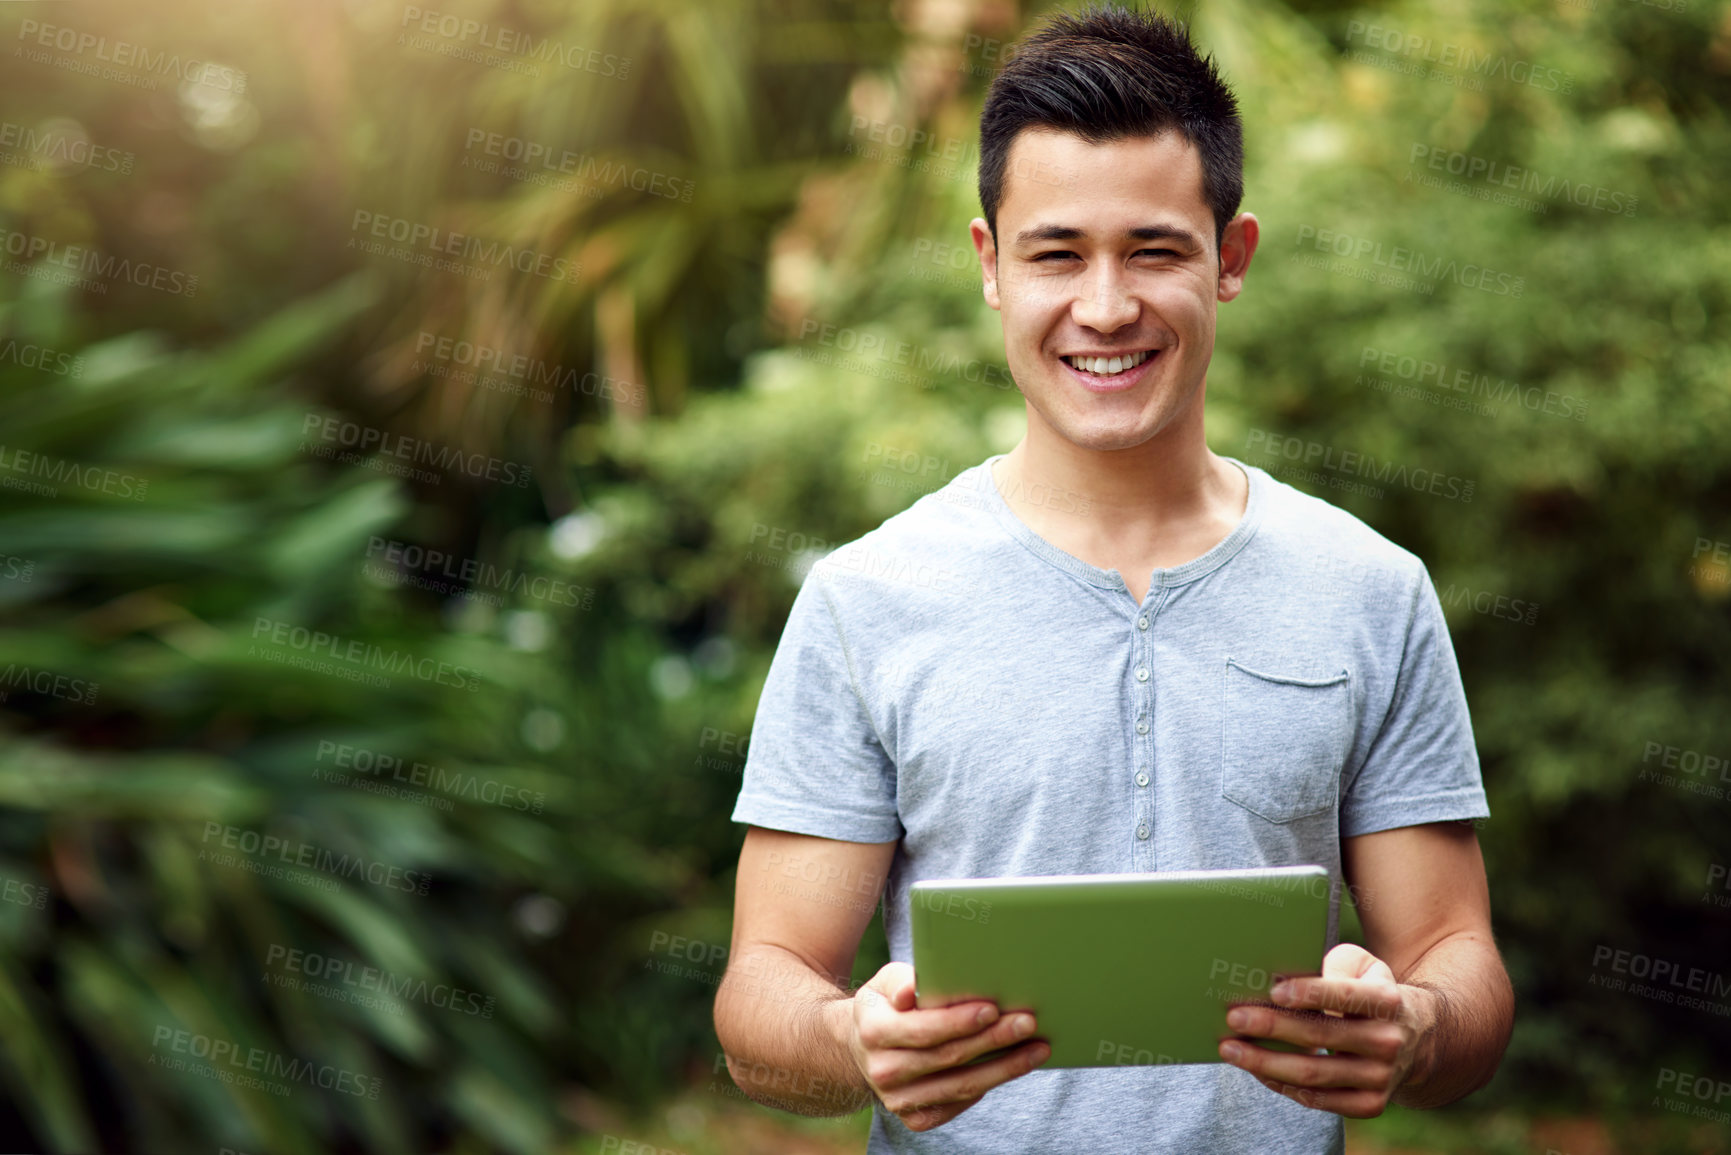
x=1104, y=437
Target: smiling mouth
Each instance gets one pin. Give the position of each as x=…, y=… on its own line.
x=1108, y=366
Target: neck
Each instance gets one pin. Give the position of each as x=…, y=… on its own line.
x=1172, y=477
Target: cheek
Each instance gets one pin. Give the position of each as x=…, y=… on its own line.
x=1181, y=304
x=1029, y=316
x=1031, y=296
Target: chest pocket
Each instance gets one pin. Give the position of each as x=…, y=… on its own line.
x=1283, y=741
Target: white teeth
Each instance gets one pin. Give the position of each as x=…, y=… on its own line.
x=1107, y=366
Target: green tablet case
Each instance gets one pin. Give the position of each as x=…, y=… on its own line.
x=1121, y=969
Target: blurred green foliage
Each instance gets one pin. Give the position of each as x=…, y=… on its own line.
x=195, y=512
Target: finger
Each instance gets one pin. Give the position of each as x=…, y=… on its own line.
x=1361, y=997
x=1310, y=1071
x=925, y=1118
x=1367, y=1037
x=963, y=1085
x=882, y=1027
x=899, y=1067
x=1352, y=1104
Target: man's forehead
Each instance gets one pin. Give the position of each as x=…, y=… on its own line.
x=1047, y=169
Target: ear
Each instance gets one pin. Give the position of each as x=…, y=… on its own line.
x=1237, y=246
x=987, y=250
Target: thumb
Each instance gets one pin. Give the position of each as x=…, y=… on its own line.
x=895, y=981
x=1350, y=961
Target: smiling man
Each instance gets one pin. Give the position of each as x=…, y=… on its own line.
x=1112, y=650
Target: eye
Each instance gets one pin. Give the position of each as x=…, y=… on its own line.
x=1158, y=252
x=1060, y=254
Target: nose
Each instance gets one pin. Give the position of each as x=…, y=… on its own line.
x=1104, y=306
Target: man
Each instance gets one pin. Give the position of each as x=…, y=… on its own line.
x=1111, y=650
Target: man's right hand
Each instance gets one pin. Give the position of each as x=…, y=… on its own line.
x=915, y=1061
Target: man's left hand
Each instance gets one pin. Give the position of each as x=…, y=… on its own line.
x=1374, y=1029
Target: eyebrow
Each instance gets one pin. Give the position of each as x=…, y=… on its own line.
x=1139, y=233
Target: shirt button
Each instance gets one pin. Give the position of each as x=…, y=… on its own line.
x=1142, y=779
x=1142, y=831
x=1142, y=674
x=1141, y=623
x=1141, y=727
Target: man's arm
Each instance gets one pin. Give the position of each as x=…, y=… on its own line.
x=794, y=1036
x=1421, y=1014
x=780, y=1006
x=1428, y=915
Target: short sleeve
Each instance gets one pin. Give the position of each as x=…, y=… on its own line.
x=815, y=764
x=1421, y=765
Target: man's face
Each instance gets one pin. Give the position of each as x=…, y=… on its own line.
x=1117, y=261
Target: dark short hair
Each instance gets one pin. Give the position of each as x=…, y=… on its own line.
x=1109, y=74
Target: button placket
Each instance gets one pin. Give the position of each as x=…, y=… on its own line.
x=1142, y=651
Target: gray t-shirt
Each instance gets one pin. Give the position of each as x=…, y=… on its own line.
x=954, y=681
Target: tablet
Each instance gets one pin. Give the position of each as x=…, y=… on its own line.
x=1120, y=969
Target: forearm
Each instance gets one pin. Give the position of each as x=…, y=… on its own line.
x=784, y=1030
x=1474, y=1008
